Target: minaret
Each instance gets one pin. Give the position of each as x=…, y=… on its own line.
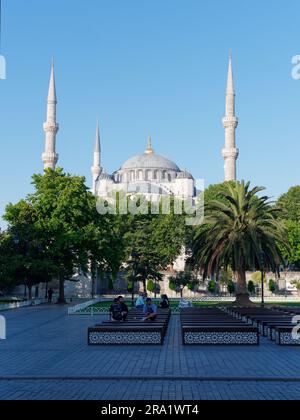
x=96, y=168
x=50, y=157
x=230, y=123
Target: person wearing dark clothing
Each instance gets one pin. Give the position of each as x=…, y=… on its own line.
x=115, y=311
x=165, y=303
x=124, y=308
x=50, y=295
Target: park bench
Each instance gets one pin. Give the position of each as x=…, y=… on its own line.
x=131, y=332
x=215, y=327
x=220, y=335
x=271, y=328
x=284, y=336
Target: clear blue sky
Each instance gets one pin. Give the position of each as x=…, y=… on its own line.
x=151, y=67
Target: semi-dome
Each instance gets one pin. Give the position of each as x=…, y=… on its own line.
x=104, y=176
x=150, y=160
x=185, y=175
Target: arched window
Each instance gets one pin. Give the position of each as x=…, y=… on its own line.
x=140, y=175
x=148, y=175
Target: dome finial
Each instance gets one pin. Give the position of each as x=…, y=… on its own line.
x=149, y=150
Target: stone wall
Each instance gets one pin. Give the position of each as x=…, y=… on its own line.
x=81, y=287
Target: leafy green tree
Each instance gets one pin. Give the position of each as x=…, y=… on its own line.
x=182, y=280
x=66, y=229
x=241, y=231
x=290, y=204
x=292, y=255
x=26, y=255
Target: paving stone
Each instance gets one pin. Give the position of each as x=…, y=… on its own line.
x=45, y=342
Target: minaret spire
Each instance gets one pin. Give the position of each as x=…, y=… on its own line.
x=149, y=150
x=230, y=122
x=96, y=168
x=50, y=157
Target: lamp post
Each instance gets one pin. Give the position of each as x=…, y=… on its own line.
x=262, y=280
x=134, y=258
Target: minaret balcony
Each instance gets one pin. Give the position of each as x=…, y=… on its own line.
x=50, y=127
x=230, y=122
x=231, y=153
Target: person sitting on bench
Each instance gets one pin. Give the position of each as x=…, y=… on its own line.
x=115, y=311
x=139, y=304
x=165, y=303
x=150, y=311
x=124, y=308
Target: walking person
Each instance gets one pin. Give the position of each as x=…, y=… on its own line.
x=50, y=295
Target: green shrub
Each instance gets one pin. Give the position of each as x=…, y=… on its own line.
x=151, y=286
x=172, y=286
x=251, y=287
x=130, y=286
x=191, y=286
x=272, y=286
x=231, y=287
x=212, y=287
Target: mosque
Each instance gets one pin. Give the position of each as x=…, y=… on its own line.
x=148, y=173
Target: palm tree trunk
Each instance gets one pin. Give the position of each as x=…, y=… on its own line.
x=242, y=295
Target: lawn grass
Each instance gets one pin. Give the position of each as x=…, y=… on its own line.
x=175, y=303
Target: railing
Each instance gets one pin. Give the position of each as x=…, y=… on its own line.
x=85, y=308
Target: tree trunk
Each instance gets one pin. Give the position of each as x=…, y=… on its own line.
x=25, y=291
x=29, y=292
x=46, y=293
x=61, y=299
x=93, y=285
x=145, y=286
x=242, y=295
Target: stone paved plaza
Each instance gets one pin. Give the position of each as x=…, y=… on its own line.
x=46, y=356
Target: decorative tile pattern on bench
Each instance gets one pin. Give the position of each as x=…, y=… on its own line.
x=286, y=339
x=250, y=338
x=98, y=338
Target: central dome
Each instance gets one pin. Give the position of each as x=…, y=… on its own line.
x=150, y=160
x=146, y=161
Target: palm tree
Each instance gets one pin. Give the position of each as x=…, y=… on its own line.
x=242, y=232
